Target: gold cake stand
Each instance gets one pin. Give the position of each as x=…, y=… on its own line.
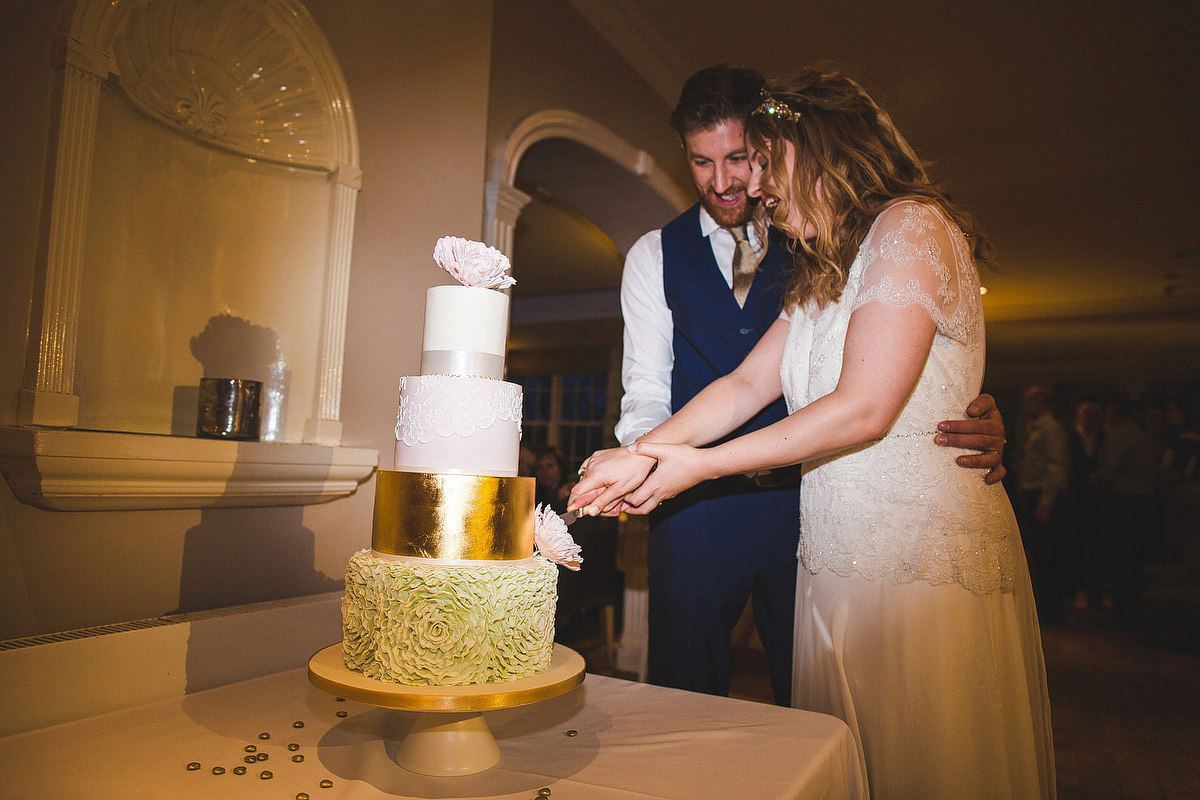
x=450, y=736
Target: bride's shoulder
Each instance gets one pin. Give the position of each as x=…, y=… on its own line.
x=914, y=223
x=912, y=215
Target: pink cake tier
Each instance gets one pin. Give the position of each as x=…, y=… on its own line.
x=458, y=424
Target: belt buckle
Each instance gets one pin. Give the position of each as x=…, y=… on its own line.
x=764, y=479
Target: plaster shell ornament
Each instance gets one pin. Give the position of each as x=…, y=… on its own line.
x=473, y=263
x=552, y=541
x=234, y=75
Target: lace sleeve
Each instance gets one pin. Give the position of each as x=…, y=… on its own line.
x=916, y=256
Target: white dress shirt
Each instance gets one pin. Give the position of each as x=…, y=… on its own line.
x=1045, y=459
x=649, y=327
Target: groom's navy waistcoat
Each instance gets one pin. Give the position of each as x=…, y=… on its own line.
x=712, y=335
x=716, y=545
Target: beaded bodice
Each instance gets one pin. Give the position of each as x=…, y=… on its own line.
x=899, y=506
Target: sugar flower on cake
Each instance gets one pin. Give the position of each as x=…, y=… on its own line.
x=552, y=541
x=473, y=263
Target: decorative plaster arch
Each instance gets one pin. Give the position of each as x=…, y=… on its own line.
x=505, y=201
x=86, y=58
x=49, y=463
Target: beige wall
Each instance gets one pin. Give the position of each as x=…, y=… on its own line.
x=544, y=56
x=433, y=97
x=25, y=44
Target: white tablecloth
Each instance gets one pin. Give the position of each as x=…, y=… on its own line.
x=633, y=741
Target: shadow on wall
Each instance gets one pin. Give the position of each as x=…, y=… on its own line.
x=232, y=347
x=235, y=645
x=227, y=562
x=238, y=556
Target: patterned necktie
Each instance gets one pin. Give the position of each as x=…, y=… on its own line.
x=745, y=262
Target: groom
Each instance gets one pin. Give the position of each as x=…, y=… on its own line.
x=693, y=307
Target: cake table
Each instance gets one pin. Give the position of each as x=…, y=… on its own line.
x=450, y=736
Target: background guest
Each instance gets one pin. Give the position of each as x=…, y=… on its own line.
x=1082, y=522
x=1183, y=453
x=1126, y=481
x=526, y=462
x=1042, y=477
x=549, y=469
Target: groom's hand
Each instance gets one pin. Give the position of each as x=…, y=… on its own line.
x=679, y=467
x=605, y=477
x=983, y=430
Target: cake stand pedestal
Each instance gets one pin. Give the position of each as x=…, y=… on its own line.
x=450, y=736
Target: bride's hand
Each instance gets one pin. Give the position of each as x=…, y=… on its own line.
x=605, y=477
x=680, y=467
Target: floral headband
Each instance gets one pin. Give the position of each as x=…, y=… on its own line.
x=776, y=108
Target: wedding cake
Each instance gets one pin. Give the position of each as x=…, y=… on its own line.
x=459, y=586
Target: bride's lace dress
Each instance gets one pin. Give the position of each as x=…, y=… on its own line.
x=915, y=621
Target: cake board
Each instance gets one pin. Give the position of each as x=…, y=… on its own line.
x=450, y=735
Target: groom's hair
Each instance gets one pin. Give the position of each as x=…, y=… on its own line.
x=716, y=94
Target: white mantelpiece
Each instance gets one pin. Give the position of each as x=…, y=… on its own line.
x=72, y=470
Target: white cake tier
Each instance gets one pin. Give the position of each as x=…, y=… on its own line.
x=459, y=425
x=466, y=329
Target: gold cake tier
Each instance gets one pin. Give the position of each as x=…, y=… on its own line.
x=435, y=515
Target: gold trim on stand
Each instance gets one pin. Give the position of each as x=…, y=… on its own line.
x=437, y=515
x=327, y=671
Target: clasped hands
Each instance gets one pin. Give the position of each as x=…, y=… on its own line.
x=637, y=478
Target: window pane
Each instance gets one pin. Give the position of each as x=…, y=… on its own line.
x=536, y=398
x=579, y=419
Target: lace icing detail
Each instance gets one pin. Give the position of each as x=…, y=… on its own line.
x=899, y=507
x=440, y=406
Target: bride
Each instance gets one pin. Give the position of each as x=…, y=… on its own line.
x=914, y=618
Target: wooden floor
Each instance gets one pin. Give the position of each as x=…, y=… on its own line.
x=1125, y=706
x=1126, y=712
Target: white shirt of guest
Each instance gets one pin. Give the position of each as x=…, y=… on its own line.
x=1127, y=462
x=1045, y=459
x=649, y=326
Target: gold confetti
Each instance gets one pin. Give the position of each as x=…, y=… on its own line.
x=297, y=724
x=239, y=770
x=218, y=770
x=266, y=775
x=297, y=758
x=264, y=735
x=194, y=765
x=293, y=746
x=251, y=748
x=342, y=713
x=326, y=784
x=572, y=733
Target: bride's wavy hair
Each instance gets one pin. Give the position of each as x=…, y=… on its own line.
x=850, y=163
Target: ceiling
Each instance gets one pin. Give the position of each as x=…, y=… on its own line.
x=1069, y=130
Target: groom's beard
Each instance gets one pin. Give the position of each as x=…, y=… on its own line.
x=728, y=216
